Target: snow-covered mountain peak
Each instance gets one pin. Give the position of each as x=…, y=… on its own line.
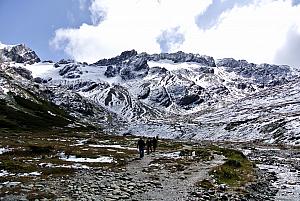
x=17, y=53
x=178, y=94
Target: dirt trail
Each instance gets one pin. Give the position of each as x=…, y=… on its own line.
x=170, y=185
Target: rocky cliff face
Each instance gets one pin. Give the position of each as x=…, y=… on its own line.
x=178, y=95
x=18, y=53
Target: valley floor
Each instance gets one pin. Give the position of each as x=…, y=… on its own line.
x=88, y=166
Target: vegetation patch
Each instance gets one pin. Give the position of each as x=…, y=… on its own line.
x=168, y=145
x=236, y=171
x=32, y=115
x=15, y=166
x=36, y=195
x=37, y=149
x=58, y=171
x=198, y=154
x=206, y=184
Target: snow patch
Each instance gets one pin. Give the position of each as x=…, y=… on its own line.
x=3, y=173
x=40, y=69
x=10, y=184
x=172, y=155
x=73, y=166
x=3, y=150
x=80, y=142
x=110, y=146
x=49, y=112
x=171, y=66
x=71, y=158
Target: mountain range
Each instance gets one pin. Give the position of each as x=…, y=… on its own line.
x=173, y=95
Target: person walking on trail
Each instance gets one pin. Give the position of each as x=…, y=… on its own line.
x=149, y=145
x=154, y=143
x=141, y=146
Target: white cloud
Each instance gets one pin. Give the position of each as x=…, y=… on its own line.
x=170, y=39
x=212, y=14
x=253, y=31
x=289, y=52
x=82, y=4
x=98, y=11
x=130, y=24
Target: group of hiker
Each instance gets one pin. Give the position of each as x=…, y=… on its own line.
x=150, y=145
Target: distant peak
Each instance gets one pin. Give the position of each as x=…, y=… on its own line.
x=17, y=53
x=118, y=59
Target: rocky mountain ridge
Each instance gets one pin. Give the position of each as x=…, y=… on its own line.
x=17, y=53
x=174, y=95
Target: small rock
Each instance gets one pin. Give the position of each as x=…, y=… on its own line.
x=182, y=177
x=222, y=187
x=291, y=182
x=283, y=187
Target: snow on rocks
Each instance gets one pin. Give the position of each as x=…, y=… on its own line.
x=3, y=150
x=71, y=158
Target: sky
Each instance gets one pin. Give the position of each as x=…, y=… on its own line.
x=260, y=31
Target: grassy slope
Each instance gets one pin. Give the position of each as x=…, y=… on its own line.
x=31, y=114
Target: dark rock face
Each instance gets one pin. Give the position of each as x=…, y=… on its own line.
x=131, y=65
x=118, y=59
x=56, y=65
x=222, y=90
x=263, y=74
x=73, y=103
x=63, y=62
x=87, y=86
x=119, y=93
x=70, y=71
x=189, y=99
x=160, y=96
x=111, y=71
x=157, y=70
x=180, y=57
x=126, y=73
x=241, y=85
x=67, y=61
x=90, y=87
x=205, y=70
x=38, y=80
x=23, y=72
x=19, y=54
x=47, y=61
x=139, y=64
x=144, y=91
x=186, y=94
x=136, y=68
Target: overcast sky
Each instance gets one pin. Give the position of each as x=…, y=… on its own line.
x=88, y=30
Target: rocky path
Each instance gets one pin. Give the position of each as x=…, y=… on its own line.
x=143, y=179
x=166, y=176
x=178, y=185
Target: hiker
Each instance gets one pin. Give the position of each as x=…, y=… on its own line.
x=154, y=143
x=141, y=147
x=149, y=145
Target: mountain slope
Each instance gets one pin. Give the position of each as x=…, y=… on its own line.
x=177, y=95
x=23, y=109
